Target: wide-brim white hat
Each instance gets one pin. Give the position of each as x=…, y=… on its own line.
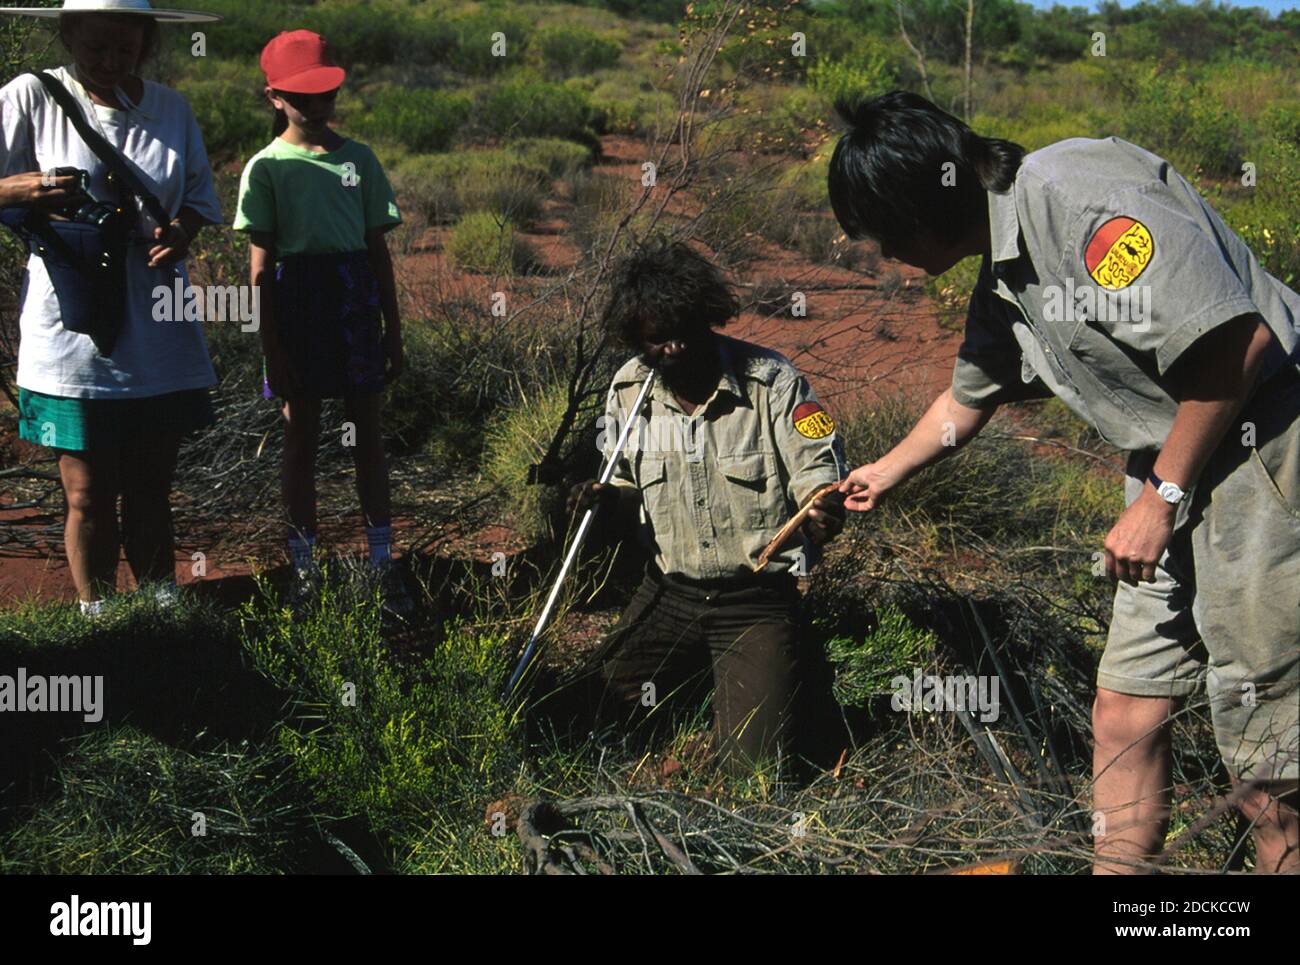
x=140, y=7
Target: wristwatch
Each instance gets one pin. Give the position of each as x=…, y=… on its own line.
x=1171, y=493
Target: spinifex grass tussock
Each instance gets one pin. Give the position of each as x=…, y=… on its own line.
x=508, y=182
x=130, y=803
x=175, y=776
x=994, y=489
x=515, y=442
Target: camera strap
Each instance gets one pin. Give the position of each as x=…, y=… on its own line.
x=103, y=150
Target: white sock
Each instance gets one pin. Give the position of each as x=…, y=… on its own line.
x=300, y=551
x=91, y=608
x=380, y=540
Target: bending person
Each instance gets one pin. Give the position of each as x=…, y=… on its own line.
x=1108, y=281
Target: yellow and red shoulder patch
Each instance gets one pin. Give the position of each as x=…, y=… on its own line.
x=1118, y=252
x=813, y=421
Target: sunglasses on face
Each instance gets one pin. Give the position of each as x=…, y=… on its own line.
x=301, y=102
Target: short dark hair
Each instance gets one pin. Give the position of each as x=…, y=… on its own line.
x=668, y=283
x=886, y=174
x=152, y=33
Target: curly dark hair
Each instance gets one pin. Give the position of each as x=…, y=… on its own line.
x=670, y=286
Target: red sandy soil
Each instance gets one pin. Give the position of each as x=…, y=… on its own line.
x=865, y=335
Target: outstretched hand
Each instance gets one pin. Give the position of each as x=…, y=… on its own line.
x=866, y=486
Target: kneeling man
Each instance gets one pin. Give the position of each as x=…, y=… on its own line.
x=730, y=442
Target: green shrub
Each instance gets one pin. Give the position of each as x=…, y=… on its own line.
x=639, y=113
x=558, y=157
x=779, y=119
x=1267, y=220
x=390, y=739
x=852, y=81
x=502, y=183
x=1174, y=115
x=427, y=185
x=443, y=186
x=359, y=33
x=527, y=107
x=475, y=35
x=234, y=120
x=390, y=153
x=424, y=120
x=568, y=49
x=804, y=185
x=735, y=219
x=980, y=490
x=246, y=28
x=483, y=243
x=128, y=803
x=1034, y=133
x=663, y=11
x=866, y=667
x=425, y=40
x=600, y=200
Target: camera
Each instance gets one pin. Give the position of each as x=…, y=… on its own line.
x=83, y=208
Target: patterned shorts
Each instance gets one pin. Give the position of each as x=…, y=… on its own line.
x=330, y=322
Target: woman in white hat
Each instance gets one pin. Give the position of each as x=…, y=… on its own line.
x=116, y=423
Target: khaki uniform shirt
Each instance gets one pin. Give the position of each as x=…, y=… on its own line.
x=1105, y=267
x=717, y=485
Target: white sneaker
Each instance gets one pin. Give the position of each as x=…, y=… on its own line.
x=304, y=588
x=397, y=599
x=168, y=595
x=93, y=609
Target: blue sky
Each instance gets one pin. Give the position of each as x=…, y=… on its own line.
x=1273, y=6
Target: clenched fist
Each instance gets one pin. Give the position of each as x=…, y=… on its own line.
x=583, y=496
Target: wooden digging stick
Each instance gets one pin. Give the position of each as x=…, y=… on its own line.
x=783, y=537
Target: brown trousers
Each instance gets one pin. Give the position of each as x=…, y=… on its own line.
x=676, y=641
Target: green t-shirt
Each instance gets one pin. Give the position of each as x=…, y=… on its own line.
x=315, y=203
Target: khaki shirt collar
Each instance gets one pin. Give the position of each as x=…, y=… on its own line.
x=1004, y=226
x=729, y=382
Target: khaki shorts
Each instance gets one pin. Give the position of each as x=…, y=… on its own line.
x=1231, y=572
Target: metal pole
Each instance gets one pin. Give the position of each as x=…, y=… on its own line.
x=578, y=537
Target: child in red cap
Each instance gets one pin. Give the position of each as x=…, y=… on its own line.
x=316, y=205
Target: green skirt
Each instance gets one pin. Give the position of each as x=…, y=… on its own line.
x=81, y=425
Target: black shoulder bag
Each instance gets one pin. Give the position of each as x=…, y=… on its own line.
x=84, y=245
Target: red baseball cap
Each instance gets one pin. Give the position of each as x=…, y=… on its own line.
x=299, y=62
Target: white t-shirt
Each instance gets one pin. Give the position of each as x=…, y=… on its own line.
x=161, y=140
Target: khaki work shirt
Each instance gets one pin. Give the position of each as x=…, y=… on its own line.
x=1105, y=266
x=717, y=485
